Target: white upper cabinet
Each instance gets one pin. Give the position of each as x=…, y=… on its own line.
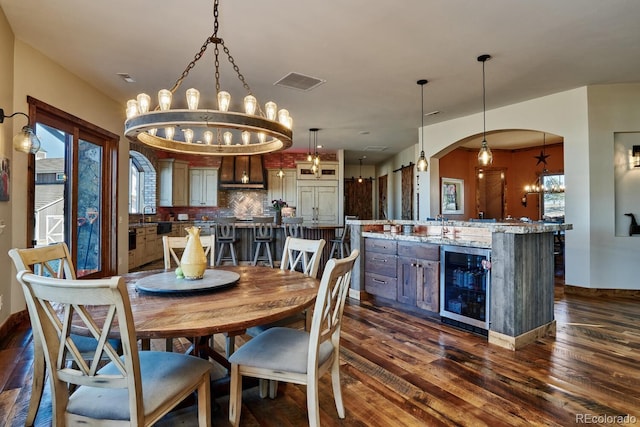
x=173, y=182
x=203, y=187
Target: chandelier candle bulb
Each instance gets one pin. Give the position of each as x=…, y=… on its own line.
x=193, y=98
x=246, y=137
x=271, y=110
x=188, y=135
x=208, y=137
x=153, y=131
x=262, y=137
x=228, y=137
x=224, y=99
x=144, y=101
x=169, y=133
x=132, y=108
x=164, y=99
x=250, y=104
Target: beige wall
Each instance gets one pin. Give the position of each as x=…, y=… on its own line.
x=40, y=77
x=6, y=136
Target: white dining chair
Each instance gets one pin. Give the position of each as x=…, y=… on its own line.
x=53, y=261
x=169, y=246
x=296, y=356
x=137, y=388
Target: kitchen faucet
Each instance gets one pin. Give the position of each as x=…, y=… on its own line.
x=443, y=229
x=144, y=211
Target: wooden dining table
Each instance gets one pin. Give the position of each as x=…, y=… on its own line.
x=261, y=295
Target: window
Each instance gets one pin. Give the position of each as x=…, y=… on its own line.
x=136, y=178
x=142, y=183
x=553, y=197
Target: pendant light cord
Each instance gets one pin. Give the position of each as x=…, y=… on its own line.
x=484, y=106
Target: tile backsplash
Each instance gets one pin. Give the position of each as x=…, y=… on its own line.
x=241, y=204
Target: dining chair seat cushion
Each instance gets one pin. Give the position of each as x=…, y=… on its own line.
x=162, y=373
x=87, y=345
x=254, y=331
x=280, y=349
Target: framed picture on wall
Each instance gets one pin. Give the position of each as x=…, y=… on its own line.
x=4, y=179
x=452, y=196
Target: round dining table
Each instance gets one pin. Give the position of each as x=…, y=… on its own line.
x=260, y=295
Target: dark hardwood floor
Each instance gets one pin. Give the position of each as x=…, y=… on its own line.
x=403, y=370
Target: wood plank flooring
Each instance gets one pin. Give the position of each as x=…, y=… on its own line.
x=402, y=370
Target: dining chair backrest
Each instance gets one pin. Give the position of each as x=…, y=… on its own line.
x=52, y=260
x=329, y=306
x=302, y=255
x=56, y=305
x=293, y=226
x=170, y=244
x=226, y=228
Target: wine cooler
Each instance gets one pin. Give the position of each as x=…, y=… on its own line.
x=465, y=280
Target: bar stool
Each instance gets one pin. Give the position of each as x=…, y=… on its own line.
x=263, y=237
x=341, y=244
x=292, y=226
x=226, y=238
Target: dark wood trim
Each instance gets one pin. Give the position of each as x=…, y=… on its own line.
x=402, y=167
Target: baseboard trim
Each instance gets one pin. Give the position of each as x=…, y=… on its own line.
x=516, y=343
x=599, y=292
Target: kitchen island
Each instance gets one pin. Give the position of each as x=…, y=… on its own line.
x=520, y=269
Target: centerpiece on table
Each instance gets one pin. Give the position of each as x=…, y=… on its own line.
x=193, y=262
x=277, y=206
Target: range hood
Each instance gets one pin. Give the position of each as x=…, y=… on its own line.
x=232, y=168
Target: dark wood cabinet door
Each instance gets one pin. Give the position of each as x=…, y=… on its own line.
x=407, y=280
x=428, y=287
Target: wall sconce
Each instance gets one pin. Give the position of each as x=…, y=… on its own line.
x=26, y=140
x=635, y=152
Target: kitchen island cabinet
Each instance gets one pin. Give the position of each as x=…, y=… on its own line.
x=521, y=271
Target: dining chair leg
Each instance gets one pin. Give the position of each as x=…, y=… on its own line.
x=263, y=387
x=313, y=405
x=37, y=383
x=168, y=344
x=273, y=389
x=235, y=396
x=337, y=389
x=204, y=402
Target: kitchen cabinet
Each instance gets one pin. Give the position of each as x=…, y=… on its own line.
x=418, y=275
x=173, y=182
x=329, y=171
x=284, y=188
x=318, y=202
x=405, y=272
x=380, y=260
x=203, y=187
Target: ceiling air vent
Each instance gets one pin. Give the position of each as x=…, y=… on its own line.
x=375, y=148
x=299, y=81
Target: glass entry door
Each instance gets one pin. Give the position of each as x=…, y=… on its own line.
x=74, y=190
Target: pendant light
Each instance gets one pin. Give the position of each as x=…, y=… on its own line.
x=422, y=163
x=360, y=177
x=485, y=157
x=315, y=161
x=280, y=173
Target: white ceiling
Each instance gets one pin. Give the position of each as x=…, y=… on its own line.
x=370, y=52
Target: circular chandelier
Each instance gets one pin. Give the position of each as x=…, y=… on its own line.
x=217, y=132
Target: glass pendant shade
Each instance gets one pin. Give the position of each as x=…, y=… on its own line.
x=309, y=157
x=26, y=141
x=485, y=157
x=188, y=135
x=271, y=110
x=422, y=164
x=227, y=137
x=245, y=177
x=144, y=101
x=164, y=99
x=132, y=108
x=224, y=99
x=208, y=137
x=280, y=173
x=250, y=104
x=193, y=98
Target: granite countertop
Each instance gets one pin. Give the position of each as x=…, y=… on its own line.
x=516, y=227
x=462, y=240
